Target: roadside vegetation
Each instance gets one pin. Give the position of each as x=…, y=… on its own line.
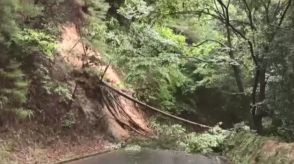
x=222, y=63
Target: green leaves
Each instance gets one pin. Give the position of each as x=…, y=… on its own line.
x=13, y=12
x=168, y=33
x=33, y=41
x=135, y=9
x=151, y=63
x=14, y=85
x=57, y=88
x=176, y=137
x=13, y=92
x=205, y=143
x=97, y=8
x=156, y=57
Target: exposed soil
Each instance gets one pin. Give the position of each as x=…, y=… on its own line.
x=119, y=115
x=45, y=145
x=72, y=51
x=97, y=114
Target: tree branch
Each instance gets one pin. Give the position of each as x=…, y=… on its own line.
x=277, y=8
x=221, y=3
x=199, y=12
x=266, y=8
x=229, y=3
x=249, y=15
x=154, y=109
x=251, y=49
x=105, y=70
x=284, y=13
x=210, y=40
x=212, y=15
x=223, y=20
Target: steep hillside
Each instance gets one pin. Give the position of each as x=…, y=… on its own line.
x=116, y=115
x=73, y=113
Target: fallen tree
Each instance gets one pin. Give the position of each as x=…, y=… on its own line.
x=153, y=108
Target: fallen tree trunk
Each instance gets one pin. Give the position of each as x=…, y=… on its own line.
x=153, y=108
x=118, y=117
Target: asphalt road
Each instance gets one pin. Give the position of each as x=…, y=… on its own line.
x=151, y=157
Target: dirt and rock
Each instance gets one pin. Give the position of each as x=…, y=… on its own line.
x=88, y=121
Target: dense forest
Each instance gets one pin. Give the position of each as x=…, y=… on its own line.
x=220, y=71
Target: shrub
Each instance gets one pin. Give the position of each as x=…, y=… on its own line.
x=13, y=92
x=176, y=137
x=31, y=40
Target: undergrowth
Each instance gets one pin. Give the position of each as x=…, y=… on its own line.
x=13, y=92
x=31, y=40
x=176, y=137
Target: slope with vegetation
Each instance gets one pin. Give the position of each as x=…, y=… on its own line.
x=207, y=61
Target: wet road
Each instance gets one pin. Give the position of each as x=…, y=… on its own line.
x=151, y=157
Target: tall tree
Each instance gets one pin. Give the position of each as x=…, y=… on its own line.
x=250, y=21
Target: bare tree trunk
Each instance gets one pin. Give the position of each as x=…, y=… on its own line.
x=262, y=84
x=257, y=110
x=238, y=78
x=256, y=120
x=261, y=99
x=236, y=68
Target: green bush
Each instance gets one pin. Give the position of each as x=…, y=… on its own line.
x=31, y=40
x=151, y=64
x=13, y=92
x=176, y=137
x=211, y=141
x=57, y=88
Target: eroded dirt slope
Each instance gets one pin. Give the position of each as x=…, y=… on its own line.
x=119, y=116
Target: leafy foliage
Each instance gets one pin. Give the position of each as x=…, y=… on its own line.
x=135, y=9
x=36, y=41
x=69, y=120
x=13, y=82
x=151, y=61
x=168, y=51
x=13, y=12
x=206, y=142
x=57, y=88
x=158, y=60
x=176, y=137
x=13, y=94
x=172, y=48
x=280, y=80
